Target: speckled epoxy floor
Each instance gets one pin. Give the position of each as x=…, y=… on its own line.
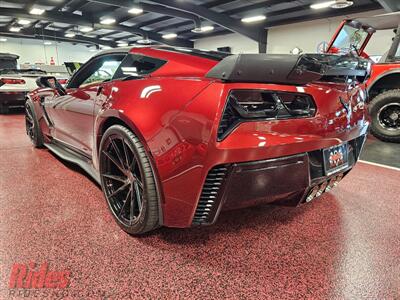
x=345, y=245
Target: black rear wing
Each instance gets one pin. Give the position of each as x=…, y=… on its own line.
x=289, y=69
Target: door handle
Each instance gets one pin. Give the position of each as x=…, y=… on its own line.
x=99, y=89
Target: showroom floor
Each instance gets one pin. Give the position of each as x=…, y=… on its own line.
x=344, y=245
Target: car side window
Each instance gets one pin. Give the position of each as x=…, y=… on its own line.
x=98, y=70
x=397, y=55
x=137, y=65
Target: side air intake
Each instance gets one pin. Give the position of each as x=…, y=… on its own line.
x=210, y=196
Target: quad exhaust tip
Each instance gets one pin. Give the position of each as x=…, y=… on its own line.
x=325, y=186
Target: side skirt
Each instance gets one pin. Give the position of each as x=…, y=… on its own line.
x=70, y=155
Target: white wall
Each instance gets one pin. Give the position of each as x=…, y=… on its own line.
x=304, y=35
x=237, y=42
x=33, y=51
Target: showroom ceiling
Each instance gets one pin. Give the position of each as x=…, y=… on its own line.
x=108, y=22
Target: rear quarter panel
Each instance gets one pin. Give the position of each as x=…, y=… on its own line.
x=155, y=108
x=151, y=105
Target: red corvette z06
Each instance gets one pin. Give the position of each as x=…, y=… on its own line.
x=176, y=135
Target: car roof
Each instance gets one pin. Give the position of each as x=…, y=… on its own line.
x=381, y=22
x=113, y=50
x=207, y=54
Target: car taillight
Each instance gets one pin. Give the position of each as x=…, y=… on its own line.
x=12, y=81
x=249, y=105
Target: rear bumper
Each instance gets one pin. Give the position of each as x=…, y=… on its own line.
x=13, y=99
x=287, y=181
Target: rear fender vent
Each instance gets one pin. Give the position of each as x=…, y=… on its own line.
x=210, y=196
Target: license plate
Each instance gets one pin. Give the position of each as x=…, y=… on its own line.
x=336, y=159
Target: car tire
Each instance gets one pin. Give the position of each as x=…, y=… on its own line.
x=378, y=108
x=128, y=181
x=4, y=109
x=32, y=126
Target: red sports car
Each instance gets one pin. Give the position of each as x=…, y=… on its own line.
x=176, y=135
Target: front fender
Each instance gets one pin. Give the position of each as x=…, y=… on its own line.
x=37, y=98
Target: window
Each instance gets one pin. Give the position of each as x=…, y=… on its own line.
x=97, y=70
x=349, y=39
x=137, y=65
x=397, y=55
x=104, y=73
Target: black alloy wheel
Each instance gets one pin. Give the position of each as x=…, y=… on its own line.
x=32, y=126
x=389, y=116
x=123, y=180
x=128, y=181
x=29, y=122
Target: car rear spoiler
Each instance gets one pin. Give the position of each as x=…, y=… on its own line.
x=288, y=69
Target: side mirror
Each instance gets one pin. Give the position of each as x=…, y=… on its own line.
x=50, y=82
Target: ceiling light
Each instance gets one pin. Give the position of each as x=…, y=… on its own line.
x=253, y=19
x=3, y=40
x=107, y=21
x=135, y=11
x=342, y=4
x=86, y=29
x=169, y=36
x=36, y=11
x=296, y=51
x=143, y=41
x=122, y=44
x=15, y=29
x=203, y=29
x=70, y=35
x=332, y=4
x=23, y=22
x=47, y=43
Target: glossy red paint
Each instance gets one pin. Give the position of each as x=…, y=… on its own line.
x=381, y=70
x=176, y=112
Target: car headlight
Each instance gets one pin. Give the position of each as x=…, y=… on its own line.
x=249, y=105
